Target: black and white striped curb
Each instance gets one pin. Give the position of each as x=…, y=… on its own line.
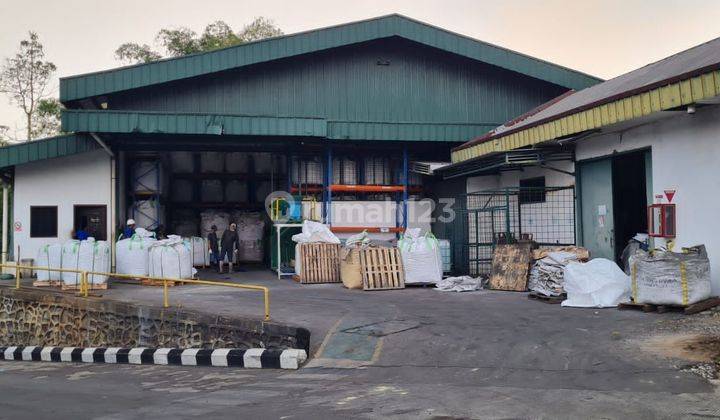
x=250, y=358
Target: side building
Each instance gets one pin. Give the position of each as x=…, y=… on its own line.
x=646, y=137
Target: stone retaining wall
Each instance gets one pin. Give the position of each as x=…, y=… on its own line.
x=31, y=317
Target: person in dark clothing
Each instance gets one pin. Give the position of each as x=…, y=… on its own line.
x=82, y=234
x=228, y=247
x=213, y=245
x=129, y=229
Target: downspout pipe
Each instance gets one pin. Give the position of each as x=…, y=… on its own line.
x=113, y=195
x=5, y=210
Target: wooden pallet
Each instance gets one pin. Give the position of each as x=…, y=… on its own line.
x=159, y=283
x=694, y=308
x=320, y=263
x=382, y=269
x=510, y=266
x=96, y=286
x=546, y=299
x=47, y=283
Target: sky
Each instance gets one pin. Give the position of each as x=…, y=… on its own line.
x=604, y=38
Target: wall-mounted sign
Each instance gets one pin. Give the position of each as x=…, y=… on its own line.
x=18, y=226
x=669, y=194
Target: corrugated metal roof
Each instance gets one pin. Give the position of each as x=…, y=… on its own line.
x=169, y=123
x=109, y=121
x=131, y=77
x=692, y=63
x=48, y=148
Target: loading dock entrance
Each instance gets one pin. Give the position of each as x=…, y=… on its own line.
x=613, y=196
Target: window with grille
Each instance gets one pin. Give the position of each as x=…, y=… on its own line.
x=532, y=190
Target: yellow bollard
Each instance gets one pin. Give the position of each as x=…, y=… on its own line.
x=267, y=304
x=17, y=275
x=166, y=304
x=86, y=290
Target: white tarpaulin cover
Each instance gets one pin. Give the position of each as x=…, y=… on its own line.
x=459, y=284
x=315, y=232
x=671, y=278
x=132, y=253
x=421, y=257
x=49, y=256
x=599, y=283
x=170, y=258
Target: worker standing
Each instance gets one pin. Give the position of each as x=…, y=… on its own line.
x=213, y=245
x=228, y=247
x=129, y=229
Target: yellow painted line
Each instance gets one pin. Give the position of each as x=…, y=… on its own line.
x=326, y=339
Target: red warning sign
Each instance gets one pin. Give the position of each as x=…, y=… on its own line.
x=669, y=194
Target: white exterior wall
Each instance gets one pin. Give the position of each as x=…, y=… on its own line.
x=685, y=156
x=63, y=182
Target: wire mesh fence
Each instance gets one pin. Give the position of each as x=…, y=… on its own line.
x=546, y=214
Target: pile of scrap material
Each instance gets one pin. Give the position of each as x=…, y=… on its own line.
x=547, y=273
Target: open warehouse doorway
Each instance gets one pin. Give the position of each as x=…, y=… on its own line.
x=614, y=193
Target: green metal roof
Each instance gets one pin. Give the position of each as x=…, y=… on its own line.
x=171, y=123
x=109, y=121
x=131, y=77
x=48, y=148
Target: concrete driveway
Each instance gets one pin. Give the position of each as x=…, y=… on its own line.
x=413, y=353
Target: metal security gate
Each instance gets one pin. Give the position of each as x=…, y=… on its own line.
x=547, y=214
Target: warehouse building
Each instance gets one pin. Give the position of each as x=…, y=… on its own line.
x=336, y=116
x=639, y=151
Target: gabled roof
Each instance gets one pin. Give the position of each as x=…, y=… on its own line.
x=136, y=76
x=48, y=148
x=681, y=79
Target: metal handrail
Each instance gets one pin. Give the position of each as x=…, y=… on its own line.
x=85, y=285
x=83, y=274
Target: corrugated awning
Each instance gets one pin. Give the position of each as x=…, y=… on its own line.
x=514, y=159
x=48, y=148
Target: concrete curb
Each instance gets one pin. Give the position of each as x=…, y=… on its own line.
x=250, y=358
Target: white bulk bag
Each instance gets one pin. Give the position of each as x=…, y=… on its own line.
x=671, y=278
x=315, y=232
x=421, y=257
x=171, y=258
x=250, y=228
x=198, y=250
x=599, y=283
x=88, y=255
x=70, y=261
x=49, y=256
x=94, y=256
x=132, y=253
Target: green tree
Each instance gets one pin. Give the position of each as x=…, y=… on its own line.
x=136, y=53
x=4, y=135
x=25, y=78
x=177, y=42
x=47, y=118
